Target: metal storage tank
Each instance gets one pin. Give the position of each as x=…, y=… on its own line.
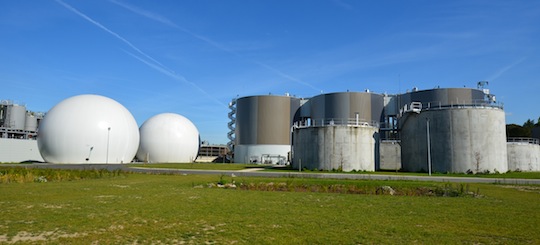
x=341, y=132
x=442, y=97
x=263, y=128
x=31, y=123
x=461, y=137
x=523, y=154
x=17, y=117
x=366, y=107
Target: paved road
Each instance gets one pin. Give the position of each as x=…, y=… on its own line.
x=284, y=174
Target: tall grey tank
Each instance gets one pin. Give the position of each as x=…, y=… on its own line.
x=263, y=128
x=455, y=131
x=31, y=123
x=366, y=107
x=17, y=117
x=339, y=132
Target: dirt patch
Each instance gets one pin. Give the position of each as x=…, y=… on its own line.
x=25, y=237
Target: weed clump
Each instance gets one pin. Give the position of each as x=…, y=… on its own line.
x=365, y=188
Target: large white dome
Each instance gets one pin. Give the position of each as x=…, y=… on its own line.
x=168, y=137
x=88, y=129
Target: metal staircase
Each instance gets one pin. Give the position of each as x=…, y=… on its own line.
x=231, y=124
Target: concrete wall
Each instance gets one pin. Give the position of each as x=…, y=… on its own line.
x=335, y=147
x=462, y=139
x=390, y=155
x=257, y=153
x=17, y=150
x=523, y=157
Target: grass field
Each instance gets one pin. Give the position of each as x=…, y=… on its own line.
x=176, y=209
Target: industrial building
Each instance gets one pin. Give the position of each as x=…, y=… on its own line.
x=16, y=122
x=436, y=130
x=18, y=132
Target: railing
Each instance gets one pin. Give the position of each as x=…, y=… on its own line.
x=533, y=141
x=462, y=104
x=335, y=122
x=435, y=105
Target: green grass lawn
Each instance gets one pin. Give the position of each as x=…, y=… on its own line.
x=144, y=208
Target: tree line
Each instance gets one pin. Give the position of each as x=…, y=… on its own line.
x=525, y=130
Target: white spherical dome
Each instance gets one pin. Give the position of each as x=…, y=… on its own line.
x=88, y=129
x=168, y=137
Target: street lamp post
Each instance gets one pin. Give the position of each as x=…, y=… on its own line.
x=108, y=137
x=428, y=147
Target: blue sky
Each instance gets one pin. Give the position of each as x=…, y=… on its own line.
x=193, y=57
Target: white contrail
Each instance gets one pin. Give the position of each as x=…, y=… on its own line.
x=74, y=10
x=174, y=75
x=217, y=45
x=154, y=64
x=505, y=69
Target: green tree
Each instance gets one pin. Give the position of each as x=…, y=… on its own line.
x=514, y=130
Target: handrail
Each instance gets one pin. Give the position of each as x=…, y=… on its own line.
x=461, y=104
x=533, y=141
x=335, y=122
x=416, y=106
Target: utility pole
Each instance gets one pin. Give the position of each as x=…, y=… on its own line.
x=428, y=147
x=108, y=137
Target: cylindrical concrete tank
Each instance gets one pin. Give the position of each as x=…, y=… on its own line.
x=442, y=97
x=340, y=133
x=367, y=107
x=524, y=156
x=263, y=128
x=31, y=123
x=337, y=147
x=17, y=116
x=461, y=139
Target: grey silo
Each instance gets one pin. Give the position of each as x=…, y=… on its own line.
x=340, y=132
x=263, y=127
x=466, y=132
x=17, y=116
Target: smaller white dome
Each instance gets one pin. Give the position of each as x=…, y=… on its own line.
x=167, y=138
